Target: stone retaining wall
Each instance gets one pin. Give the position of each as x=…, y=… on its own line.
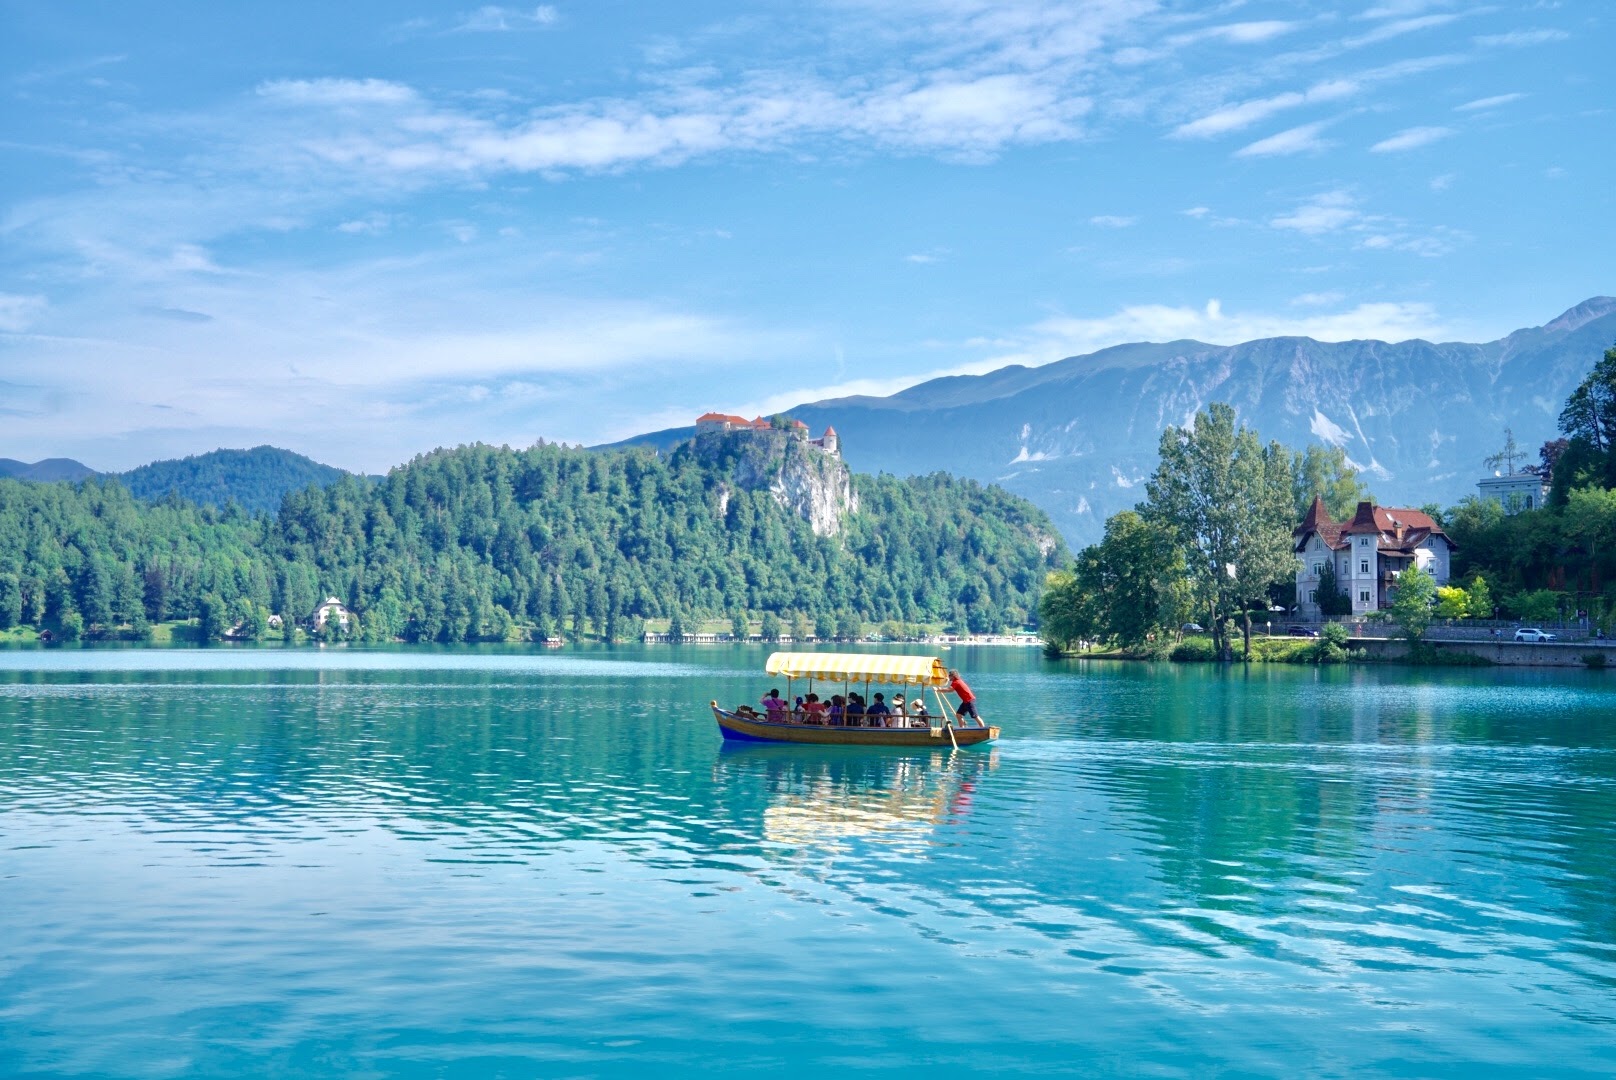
x=1505, y=653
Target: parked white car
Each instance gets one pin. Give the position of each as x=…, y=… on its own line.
x=1530, y=633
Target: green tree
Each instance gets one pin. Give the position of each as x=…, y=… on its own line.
x=72, y=626
x=737, y=626
x=1537, y=605
x=676, y=627
x=849, y=627
x=1452, y=602
x=1120, y=589
x=1590, y=411
x=1411, y=604
x=1332, y=598
x=215, y=618
x=1479, y=598
x=10, y=601
x=771, y=629
x=1324, y=472
x=1226, y=500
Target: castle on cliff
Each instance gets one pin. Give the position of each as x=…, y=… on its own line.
x=722, y=423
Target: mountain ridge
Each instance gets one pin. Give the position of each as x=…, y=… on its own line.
x=1078, y=436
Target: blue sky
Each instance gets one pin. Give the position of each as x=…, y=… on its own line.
x=362, y=230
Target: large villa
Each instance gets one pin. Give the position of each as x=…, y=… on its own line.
x=1368, y=552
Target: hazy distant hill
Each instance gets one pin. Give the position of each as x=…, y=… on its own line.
x=257, y=479
x=1078, y=437
x=46, y=471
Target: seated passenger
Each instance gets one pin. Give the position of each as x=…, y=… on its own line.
x=774, y=705
x=813, y=710
x=855, y=709
x=918, y=716
x=877, y=712
x=837, y=713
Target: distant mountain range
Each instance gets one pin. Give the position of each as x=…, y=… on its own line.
x=1078, y=437
x=256, y=479
x=46, y=472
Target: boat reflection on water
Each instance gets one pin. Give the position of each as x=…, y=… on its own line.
x=826, y=798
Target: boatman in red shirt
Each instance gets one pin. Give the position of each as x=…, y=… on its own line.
x=967, y=705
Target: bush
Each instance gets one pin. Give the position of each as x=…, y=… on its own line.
x=1594, y=660
x=1194, y=650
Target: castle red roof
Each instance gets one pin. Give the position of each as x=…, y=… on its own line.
x=829, y=431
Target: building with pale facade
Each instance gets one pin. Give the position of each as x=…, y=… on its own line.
x=1368, y=553
x=1514, y=491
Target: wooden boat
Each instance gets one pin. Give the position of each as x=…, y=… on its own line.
x=847, y=671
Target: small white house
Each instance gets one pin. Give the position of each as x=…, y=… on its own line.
x=331, y=609
x=1368, y=553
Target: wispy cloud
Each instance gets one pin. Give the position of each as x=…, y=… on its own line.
x=492, y=18
x=1323, y=213
x=1398, y=28
x=1410, y=139
x=1337, y=212
x=1296, y=140
x=1243, y=115
x=1516, y=39
x=1112, y=221
x=1488, y=102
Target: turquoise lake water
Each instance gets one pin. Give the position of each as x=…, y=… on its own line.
x=495, y=863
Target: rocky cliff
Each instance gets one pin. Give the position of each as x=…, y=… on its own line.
x=809, y=482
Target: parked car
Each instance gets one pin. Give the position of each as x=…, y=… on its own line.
x=1298, y=630
x=1531, y=633
x=1193, y=628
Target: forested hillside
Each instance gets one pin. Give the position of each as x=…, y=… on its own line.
x=256, y=478
x=484, y=543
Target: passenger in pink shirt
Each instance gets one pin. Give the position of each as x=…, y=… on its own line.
x=774, y=705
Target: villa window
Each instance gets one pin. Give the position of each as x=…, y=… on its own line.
x=1363, y=596
x=1363, y=566
x=1318, y=568
x=1312, y=596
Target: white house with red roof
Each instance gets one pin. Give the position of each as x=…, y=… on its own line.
x=1368, y=552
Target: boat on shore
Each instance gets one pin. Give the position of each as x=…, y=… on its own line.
x=850, y=671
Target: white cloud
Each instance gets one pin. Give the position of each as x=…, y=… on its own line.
x=1112, y=221
x=1250, y=33
x=1488, y=102
x=1521, y=38
x=920, y=258
x=490, y=18
x=334, y=92
x=1197, y=211
x=369, y=224
x=1235, y=117
x=1398, y=9
x=1323, y=213
x=18, y=312
x=1318, y=299
x=1398, y=28
x=1443, y=182
x=1410, y=139
x=1296, y=140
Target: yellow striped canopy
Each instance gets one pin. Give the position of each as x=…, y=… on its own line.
x=859, y=667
